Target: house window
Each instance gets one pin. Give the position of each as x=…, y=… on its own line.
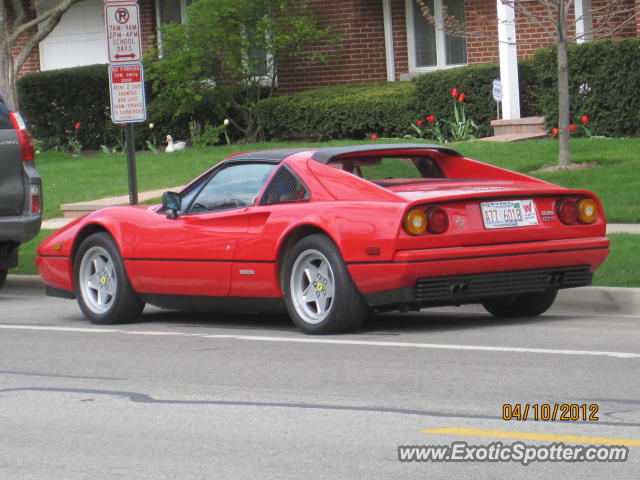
x=171, y=11
x=430, y=47
x=175, y=11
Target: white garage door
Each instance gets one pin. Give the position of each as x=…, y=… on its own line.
x=79, y=38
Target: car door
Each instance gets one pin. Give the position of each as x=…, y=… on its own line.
x=193, y=253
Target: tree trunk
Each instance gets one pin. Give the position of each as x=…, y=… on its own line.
x=564, y=154
x=8, y=88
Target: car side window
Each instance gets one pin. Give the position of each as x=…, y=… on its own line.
x=234, y=186
x=284, y=187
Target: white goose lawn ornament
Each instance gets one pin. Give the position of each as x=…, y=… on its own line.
x=174, y=146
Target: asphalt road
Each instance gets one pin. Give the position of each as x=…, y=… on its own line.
x=228, y=396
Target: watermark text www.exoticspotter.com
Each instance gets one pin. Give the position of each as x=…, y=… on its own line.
x=518, y=452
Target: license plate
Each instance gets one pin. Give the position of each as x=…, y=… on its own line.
x=509, y=213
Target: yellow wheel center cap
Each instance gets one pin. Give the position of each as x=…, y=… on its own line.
x=103, y=280
x=319, y=286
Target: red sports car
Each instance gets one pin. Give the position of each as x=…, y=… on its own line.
x=331, y=234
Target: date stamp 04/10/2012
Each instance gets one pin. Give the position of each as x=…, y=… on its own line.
x=550, y=412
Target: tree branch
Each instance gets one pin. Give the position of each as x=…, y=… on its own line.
x=55, y=12
x=18, y=9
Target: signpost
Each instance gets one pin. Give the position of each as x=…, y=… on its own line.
x=123, y=32
x=126, y=84
x=497, y=95
x=126, y=76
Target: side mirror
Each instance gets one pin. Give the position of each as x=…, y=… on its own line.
x=171, y=204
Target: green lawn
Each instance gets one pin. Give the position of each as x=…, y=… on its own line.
x=615, y=181
x=68, y=179
x=622, y=268
x=74, y=179
x=27, y=263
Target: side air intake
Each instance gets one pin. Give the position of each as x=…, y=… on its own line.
x=284, y=187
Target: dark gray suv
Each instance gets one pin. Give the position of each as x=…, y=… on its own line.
x=20, y=189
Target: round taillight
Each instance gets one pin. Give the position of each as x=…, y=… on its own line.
x=587, y=210
x=415, y=222
x=437, y=220
x=567, y=211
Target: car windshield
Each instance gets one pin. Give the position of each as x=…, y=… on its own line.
x=390, y=171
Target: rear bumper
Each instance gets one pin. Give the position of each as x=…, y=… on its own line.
x=20, y=228
x=13, y=232
x=463, y=274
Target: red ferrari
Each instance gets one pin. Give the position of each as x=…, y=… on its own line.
x=331, y=234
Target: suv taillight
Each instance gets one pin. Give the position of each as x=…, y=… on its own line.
x=23, y=135
x=36, y=198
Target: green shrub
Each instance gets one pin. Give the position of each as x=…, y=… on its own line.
x=603, y=84
x=389, y=108
x=433, y=93
x=342, y=111
x=54, y=101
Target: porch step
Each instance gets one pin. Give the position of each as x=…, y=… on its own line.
x=514, y=137
x=75, y=210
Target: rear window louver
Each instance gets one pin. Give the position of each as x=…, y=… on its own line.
x=284, y=187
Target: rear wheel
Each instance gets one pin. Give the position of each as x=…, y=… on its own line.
x=102, y=287
x=527, y=305
x=320, y=295
x=3, y=276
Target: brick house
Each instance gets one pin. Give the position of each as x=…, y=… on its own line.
x=381, y=39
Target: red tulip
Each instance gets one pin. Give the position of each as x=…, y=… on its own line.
x=419, y=123
x=374, y=137
x=77, y=126
x=430, y=118
x=572, y=128
x=461, y=98
x=584, y=119
x=454, y=92
x=554, y=132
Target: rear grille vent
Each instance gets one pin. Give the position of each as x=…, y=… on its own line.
x=284, y=187
x=465, y=288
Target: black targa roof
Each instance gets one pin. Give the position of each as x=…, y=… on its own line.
x=325, y=155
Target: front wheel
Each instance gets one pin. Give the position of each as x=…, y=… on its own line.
x=102, y=287
x=320, y=295
x=527, y=305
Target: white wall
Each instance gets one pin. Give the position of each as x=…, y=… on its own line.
x=79, y=38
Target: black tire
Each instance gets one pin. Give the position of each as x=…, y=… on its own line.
x=339, y=306
x=3, y=276
x=527, y=305
x=102, y=287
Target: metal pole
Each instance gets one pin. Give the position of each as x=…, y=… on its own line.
x=131, y=163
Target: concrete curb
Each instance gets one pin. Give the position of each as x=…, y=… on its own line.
x=23, y=285
x=577, y=301
x=599, y=300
